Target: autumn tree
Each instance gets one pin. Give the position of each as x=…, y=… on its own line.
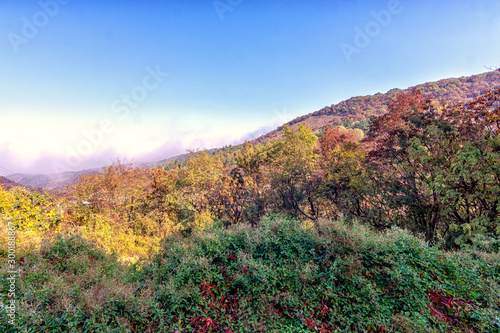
x=468, y=179
x=191, y=193
x=118, y=192
x=251, y=163
x=163, y=199
x=293, y=174
x=342, y=164
x=29, y=210
x=437, y=166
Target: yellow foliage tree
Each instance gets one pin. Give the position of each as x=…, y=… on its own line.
x=28, y=210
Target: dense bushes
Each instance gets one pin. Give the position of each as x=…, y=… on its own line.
x=279, y=277
x=284, y=275
x=70, y=285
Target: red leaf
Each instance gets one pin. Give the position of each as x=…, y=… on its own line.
x=209, y=322
x=310, y=323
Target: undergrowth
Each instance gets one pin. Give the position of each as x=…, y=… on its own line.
x=281, y=276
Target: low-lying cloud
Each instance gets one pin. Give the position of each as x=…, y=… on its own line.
x=47, y=145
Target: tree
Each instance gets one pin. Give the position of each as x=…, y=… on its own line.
x=342, y=162
x=293, y=174
x=251, y=163
x=399, y=179
x=119, y=192
x=468, y=181
x=29, y=210
x=437, y=165
x=190, y=194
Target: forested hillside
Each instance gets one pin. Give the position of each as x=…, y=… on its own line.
x=360, y=108
x=55, y=181
x=7, y=183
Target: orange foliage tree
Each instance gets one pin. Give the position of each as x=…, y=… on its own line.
x=342, y=164
x=437, y=166
x=118, y=192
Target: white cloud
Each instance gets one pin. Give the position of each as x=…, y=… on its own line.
x=47, y=144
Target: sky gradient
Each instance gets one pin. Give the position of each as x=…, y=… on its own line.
x=84, y=82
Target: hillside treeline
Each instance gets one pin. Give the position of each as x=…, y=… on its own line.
x=357, y=110
x=432, y=168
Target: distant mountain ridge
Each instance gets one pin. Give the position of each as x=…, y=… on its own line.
x=179, y=158
x=7, y=184
x=51, y=182
x=361, y=107
x=355, y=108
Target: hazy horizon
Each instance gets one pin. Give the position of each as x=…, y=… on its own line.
x=84, y=83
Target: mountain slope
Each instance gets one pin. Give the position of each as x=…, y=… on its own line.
x=7, y=184
x=362, y=107
x=56, y=181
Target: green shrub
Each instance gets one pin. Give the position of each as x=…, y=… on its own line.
x=71, y=285
x=281, y=276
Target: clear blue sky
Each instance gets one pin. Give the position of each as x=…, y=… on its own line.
x=83, y=82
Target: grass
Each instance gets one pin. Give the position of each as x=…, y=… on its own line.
x=279, y=277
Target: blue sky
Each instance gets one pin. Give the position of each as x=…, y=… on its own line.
x=84, y=82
